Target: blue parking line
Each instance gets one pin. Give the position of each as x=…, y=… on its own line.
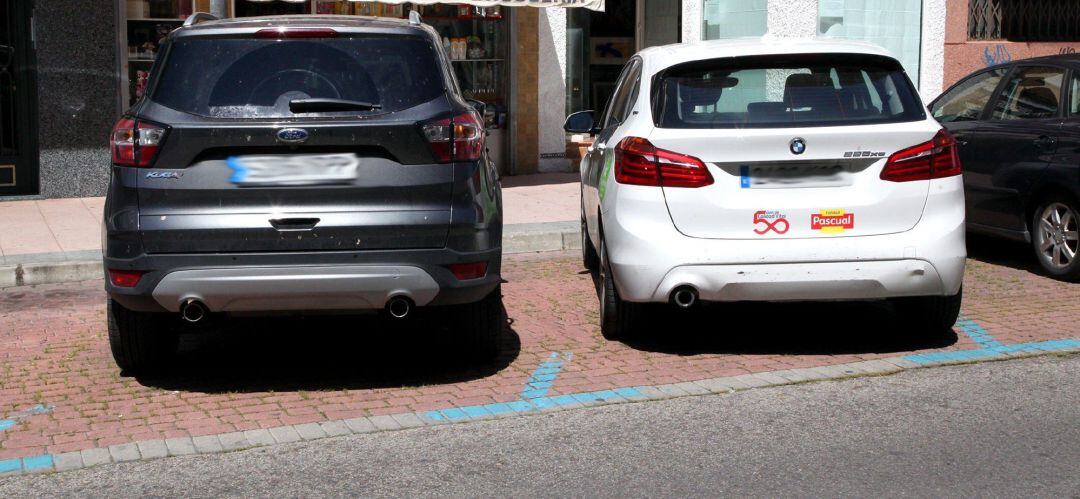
x=977, y=333
x=32, y=463
x=534, y=396
x=14, y=418
x=990, y=347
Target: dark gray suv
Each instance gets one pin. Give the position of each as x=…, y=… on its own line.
x=300, y=164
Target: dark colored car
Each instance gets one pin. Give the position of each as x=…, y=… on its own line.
x=1018, y=128
x=300, y=164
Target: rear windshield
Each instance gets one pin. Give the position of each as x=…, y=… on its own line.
x=784, y=91
x=255, y=78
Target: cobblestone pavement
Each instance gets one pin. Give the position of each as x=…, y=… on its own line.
x=61, y=392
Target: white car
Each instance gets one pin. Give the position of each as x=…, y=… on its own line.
x=770, y=170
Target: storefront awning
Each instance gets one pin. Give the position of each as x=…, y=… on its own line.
x=597, y=5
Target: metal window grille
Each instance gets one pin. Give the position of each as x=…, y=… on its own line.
x=1024, y=20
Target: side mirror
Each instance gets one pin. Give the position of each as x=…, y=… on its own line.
x=479, y=106
x=581, y=122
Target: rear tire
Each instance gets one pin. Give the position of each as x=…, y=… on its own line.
x=141, y=342
x=1054, y=237
x=930, y=316
x=480, y=326
x=619, y=319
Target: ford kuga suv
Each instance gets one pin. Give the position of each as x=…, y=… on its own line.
x=300, y=164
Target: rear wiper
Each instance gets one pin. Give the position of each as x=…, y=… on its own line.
x=329, y=105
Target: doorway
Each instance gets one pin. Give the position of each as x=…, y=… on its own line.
x=599, y=43
x=18, y=99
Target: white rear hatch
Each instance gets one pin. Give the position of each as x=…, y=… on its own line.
x=795, y=145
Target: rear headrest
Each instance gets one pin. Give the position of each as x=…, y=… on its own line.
x=1036, y=102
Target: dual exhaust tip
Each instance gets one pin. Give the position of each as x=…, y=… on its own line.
x=193, y=311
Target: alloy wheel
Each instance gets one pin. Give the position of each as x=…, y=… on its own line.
x=1056, y=236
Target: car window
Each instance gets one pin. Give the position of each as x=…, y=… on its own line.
x=1030, y=93
x=254, y=78
x=633, y=82
x=1074, y=93
x=784, y=91
x=967, y=100
x=615, y=113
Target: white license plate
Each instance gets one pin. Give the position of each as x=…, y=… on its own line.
x=789, y=176
x=300, y=169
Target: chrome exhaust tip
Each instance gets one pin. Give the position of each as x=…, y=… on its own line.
x=399, y=307
x=193, y=311
x=684, y=297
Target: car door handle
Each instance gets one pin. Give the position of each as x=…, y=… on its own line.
x=286, y=224
x=1045, y=142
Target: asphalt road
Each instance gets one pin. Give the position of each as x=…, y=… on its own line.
x=994, y=429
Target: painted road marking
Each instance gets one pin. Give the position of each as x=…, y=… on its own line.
x=990, y=347
x=534, y=396
x=33, y=463
x=15, y=417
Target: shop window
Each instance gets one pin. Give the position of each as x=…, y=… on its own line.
x=895, y=25
x=734, y=18
x=1024, y=20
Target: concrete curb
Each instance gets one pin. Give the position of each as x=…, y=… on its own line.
x=210, y=444
x=50, y=268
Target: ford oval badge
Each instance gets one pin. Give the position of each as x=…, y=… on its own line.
x=292, y=135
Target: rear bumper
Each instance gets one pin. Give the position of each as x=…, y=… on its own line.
x=650, y=258
x=270, y=282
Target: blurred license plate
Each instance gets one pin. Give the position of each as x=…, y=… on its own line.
x=306, y=169
x=787, y=176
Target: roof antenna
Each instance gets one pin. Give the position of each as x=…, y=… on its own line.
x=414, y=17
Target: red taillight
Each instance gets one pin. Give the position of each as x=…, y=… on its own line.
x=460, y=138
x=296, y=33
x=466, y=271
x=638, y=162
x=135, y=143
x=935, y=159
x=125, y=278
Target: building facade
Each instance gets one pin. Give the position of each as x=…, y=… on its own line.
x=68, y=70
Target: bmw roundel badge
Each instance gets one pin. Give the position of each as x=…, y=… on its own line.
x=292, y=135
x=798, y=145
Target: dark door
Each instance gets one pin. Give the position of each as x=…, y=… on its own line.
x=1017, y=143
x=18, y=123
x=962, y=110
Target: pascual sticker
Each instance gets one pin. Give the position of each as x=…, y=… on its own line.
x=832, y=221
x=770, y=220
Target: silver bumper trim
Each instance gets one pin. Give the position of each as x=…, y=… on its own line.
x=259, y=289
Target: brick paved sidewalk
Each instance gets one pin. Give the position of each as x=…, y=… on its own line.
x=60, y=392
x=53, y=230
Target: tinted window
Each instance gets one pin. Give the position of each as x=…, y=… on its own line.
x=1030, y=93
x=245, y=78
x=1074, y=104
x=966, y=101
x=784, y=91
x=616, y=112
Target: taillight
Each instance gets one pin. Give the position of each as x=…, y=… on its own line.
x=296, y=33
x=638, y=162
x=935, y=159
x=135, y=143
x=125, y=278
x=460, y=138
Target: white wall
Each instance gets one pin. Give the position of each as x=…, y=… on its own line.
x=552, y=88
x=932, y=71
